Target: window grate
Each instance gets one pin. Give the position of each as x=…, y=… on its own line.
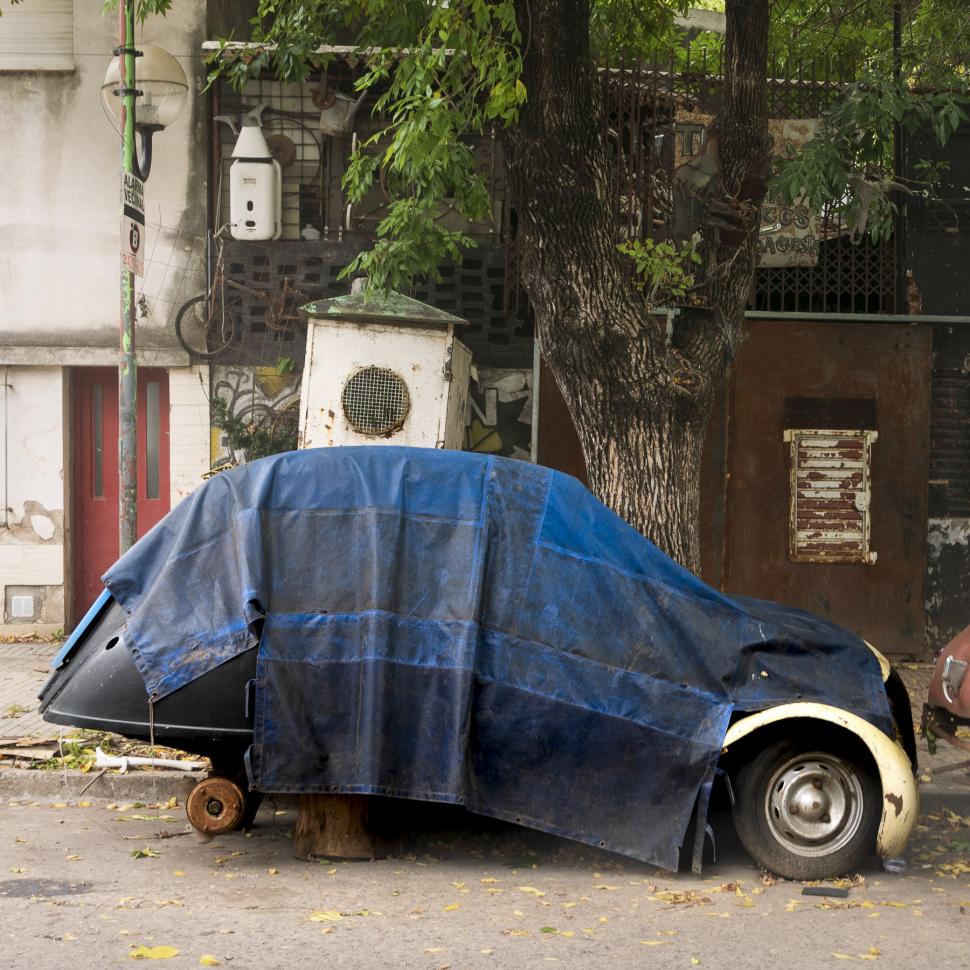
x=831, y=491
x=376, y=401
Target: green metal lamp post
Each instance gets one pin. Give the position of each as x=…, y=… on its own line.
x=158, y=101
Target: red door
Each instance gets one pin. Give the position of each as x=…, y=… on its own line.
x=95, y=479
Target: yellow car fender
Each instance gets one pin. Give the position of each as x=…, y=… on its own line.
x=900, y=806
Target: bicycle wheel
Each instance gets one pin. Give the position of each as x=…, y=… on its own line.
x=206, y=331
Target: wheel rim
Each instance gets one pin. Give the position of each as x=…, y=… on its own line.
x=814, y=804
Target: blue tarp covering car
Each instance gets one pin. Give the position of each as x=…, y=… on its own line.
x=460, y=628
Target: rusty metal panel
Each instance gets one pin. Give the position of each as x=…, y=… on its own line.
x=815, y=376
x=829, y=510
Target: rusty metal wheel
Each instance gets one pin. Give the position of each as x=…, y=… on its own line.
x=216, y=806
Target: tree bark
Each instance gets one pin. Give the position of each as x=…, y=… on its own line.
x=639, y=391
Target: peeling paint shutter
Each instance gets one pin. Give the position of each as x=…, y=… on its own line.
x=37, y=35
x=830, y=495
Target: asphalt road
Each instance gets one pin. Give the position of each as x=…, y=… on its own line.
x=462, y=893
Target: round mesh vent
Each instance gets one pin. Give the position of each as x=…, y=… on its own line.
x=376, y=401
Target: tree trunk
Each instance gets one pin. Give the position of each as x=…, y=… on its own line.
x=639, y=391
x=335, y=827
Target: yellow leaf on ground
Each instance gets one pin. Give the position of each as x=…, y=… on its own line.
x=434, y=949
x=153, y=953
x=694, y=962
x=791, y=905
x=208, y=960
x=842, y=956
x=178, y=872
x=452, y=907
x=569, y=934
x=488, y=879
x=324, y=916
x=487, y=953
x=531, y=890
x=654, y=942
x=273, y=872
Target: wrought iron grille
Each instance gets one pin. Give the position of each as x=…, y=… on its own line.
x=655, y=114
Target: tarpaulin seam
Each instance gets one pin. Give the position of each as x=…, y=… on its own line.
x=333, y=512
x=647, y=726
x=692, y=594
x=540, y=521
x=321, y=619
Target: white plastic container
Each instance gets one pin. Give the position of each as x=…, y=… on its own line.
x=255, y=188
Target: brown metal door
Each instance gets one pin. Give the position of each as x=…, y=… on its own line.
x=832, y=375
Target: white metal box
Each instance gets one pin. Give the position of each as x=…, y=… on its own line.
x=385, y=371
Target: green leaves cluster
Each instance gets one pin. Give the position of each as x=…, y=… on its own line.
x=442, y=75
x=255, y=439
x=848, y=166
x=664, y=271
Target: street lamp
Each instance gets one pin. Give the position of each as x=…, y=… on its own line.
x=143, y=100
x=160, y=93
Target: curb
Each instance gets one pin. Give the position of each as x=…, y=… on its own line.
x=144, y=785
x=133, y=786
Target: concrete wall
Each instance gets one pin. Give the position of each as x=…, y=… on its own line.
x=32, y=493
x=60, y=227
x=59, y=287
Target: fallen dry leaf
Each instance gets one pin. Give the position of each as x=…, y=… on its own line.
x=531, y=890
x=324, y=916
x=452, y=907
x=153, y=953
x=208, y=960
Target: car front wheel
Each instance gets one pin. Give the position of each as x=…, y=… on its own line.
x=804, y=812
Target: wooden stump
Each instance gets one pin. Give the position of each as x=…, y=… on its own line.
x=335, y=827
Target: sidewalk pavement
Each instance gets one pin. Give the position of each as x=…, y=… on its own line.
x=24, y=668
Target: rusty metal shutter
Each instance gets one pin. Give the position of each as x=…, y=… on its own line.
x=830, y=495
x=37, y=35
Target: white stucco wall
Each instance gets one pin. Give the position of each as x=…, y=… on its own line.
x=32, y=493
x=60, y=282
x=59, y=222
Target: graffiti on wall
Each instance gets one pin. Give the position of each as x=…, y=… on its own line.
x=500, y=412
x=262, y=403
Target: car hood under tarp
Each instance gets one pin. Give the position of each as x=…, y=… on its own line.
x=460, y=628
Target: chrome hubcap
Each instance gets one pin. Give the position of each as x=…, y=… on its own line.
x=814, y=804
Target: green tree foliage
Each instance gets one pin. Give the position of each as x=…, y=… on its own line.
x=912, y=80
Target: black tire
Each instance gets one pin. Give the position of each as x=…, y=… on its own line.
x=206, y=332
x=804, y=811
